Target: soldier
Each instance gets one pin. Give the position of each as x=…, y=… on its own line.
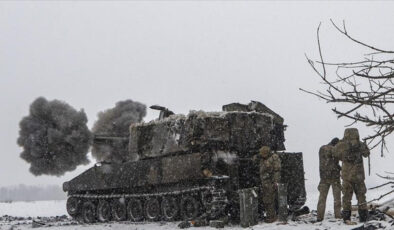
x=350, y=150
x=330, y=172
x=270, y=176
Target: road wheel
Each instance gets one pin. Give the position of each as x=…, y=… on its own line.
x=103, y=211
x=152, y=209
x=135, y=210
x=189, y=208
x=169, y=208
x=73, y=206
x=88, y=212
x=119, y=211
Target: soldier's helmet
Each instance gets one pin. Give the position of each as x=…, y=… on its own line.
x=334, y=141
x=265, y=151
x=351, y=134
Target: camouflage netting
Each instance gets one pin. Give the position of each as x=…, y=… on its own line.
x=115, y=122
x=54, y=137
x=243, y=132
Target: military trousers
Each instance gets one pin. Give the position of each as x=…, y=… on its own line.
x=323, y=188
x=359, y=189
x=269, y=191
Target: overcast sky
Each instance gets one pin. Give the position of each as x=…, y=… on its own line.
x=183, y=55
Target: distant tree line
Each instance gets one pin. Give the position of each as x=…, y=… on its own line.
x=31, y=193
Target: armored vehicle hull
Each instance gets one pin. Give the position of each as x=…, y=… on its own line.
x=185, y=167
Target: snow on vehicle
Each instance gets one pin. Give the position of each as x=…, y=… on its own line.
x=181, y=167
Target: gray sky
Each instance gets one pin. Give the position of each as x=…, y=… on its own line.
x=184, y=55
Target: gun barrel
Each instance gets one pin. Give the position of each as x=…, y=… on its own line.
x=110, y=138
x=158, y=107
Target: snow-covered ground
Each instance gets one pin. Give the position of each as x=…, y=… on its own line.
x=21, y=215
x=64, y=223
x=34, y=208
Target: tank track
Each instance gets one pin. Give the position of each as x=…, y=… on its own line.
x=212, y=202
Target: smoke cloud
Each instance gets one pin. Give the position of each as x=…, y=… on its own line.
x=115, y=122
x=54, y=137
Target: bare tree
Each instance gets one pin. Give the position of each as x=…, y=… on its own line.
x=363, y=88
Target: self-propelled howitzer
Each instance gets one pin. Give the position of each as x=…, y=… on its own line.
x=182, y=167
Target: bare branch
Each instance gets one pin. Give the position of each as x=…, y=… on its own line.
x=344, y=32
x=385, y=177
x=366, y=86
x=376, y=199
x=382, y=185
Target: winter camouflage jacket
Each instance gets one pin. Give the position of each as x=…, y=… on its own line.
x=328, y=165
x=270, y=168
x=350, y=150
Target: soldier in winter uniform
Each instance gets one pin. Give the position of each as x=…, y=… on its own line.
x=330, y=172
x=270, y=177
x=350, y=150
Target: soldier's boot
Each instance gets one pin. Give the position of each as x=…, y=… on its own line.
x=346, y=215
x=320, y=216
x=360, y=191
x=271, y=213
x=363, y=215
